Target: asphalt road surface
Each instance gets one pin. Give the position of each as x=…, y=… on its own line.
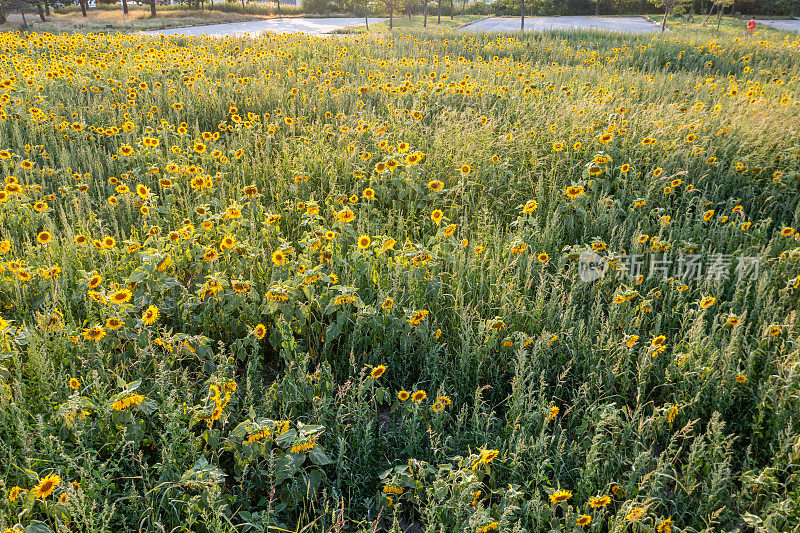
x=507, y=24
x=254, y=27
x=786, y=25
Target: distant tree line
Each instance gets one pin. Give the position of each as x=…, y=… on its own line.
x=548, y=7
x=449, y=8
x=618, y=7
x=29, y=8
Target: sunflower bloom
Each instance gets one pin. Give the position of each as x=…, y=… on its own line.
x=560, y=496
x=46, y=486
x=151, y=315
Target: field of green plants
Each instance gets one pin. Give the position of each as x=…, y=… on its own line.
x=427, y=282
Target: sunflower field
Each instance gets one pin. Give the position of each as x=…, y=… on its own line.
x=405, y=282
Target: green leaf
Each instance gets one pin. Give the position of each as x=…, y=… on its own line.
x=287, y=438
x=148, y=407
x=314, y=478
x=241, y=430
x=318, y=456
x=310, y=429
x=333, y=331
x=38, y=527
x=284, y=468
x=138, y=276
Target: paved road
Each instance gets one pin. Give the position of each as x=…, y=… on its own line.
x=786, y=25
x=254, y=27
x=507, y=24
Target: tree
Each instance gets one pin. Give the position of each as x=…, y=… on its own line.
x=711, y=7
x=391, y=5
x=670, y=7
x=425, y=20
x=22, y=10
x=722, y=4
x=10, y=5
x=596, y=8
x=522, y=15
x=153, y=8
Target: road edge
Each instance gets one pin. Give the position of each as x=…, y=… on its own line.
x=472, y=22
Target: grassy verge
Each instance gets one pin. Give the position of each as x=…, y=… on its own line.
x=68, y=18
x=728, y=26
x=137, y=19
x=415, y=23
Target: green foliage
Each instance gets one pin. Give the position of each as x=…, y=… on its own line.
x=316, y=6
x=294, y=283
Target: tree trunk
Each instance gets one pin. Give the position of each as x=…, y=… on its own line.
x=641, y=7
x=279, y=9
x=708, y=15
x=463, y=6
x=425, y=20
x=452, y=8
x=47, y=7
x=153, y=8
x=596, y=8
x=719, y=15
x=391, y=12
x=664, y=22
x=125, y=6
x=366, y=15
x=41, y=11
x=522, y=15
x=408, y=9
x=83, y=8
x=22, y=11
x=439, y=16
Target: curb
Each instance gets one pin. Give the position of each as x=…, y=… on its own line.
x=472, y=22
x=654, y=22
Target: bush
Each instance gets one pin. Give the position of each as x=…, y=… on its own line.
x=480, y=8
x=316, y=6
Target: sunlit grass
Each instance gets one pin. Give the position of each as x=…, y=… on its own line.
x=340, y=284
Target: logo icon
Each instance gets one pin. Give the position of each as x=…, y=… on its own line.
x=591, y=266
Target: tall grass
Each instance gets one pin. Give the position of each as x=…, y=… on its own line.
x=334, y=284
